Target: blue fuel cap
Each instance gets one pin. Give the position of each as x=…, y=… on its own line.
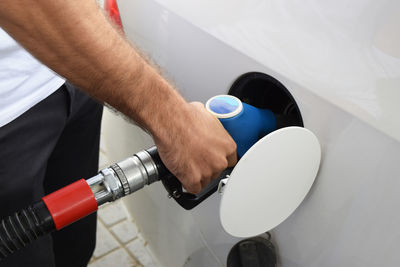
x=245, y=123
x=224, y=106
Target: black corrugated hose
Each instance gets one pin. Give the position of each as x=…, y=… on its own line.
x=23, y=227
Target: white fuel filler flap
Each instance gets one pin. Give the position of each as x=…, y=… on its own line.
x=273, y=175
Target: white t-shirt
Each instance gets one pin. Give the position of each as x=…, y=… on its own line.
x=24, y=81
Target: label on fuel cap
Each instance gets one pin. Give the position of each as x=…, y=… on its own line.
x=224, y=106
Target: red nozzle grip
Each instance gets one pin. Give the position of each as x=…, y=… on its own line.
x=70, y=203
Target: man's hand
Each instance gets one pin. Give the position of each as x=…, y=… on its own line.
x=200, y=152
x=76, y=40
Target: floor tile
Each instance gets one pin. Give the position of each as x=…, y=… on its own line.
x=125, y=231
x=117, y=258
x=105, y=242
x=112, y=213
x=140, y=252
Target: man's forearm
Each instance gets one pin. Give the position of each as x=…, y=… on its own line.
x=76, y=40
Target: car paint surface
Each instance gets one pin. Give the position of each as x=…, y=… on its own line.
x=341, y=62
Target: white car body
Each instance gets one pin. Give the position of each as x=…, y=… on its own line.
x=341, y=62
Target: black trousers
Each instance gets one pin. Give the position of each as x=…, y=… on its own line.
x=51, y=145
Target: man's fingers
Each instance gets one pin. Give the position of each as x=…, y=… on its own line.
x=203, y=152
x=193, y=188
x=232, y=159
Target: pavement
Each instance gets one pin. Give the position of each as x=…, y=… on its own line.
x=119, y=241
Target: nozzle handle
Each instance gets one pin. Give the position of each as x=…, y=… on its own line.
x=174, y=187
